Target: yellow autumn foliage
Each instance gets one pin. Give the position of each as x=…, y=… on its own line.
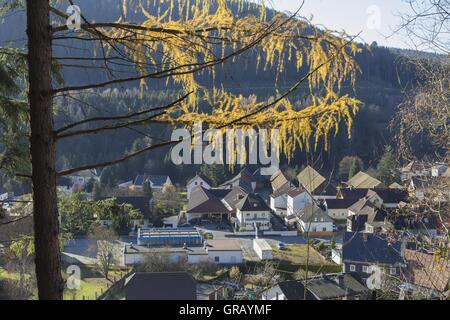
x=184, y=40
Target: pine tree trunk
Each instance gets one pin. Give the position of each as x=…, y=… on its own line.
x=46, y=225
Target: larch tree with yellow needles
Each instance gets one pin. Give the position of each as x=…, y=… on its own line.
x=179, y=42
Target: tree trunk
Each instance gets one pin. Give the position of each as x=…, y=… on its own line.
x=42, y=139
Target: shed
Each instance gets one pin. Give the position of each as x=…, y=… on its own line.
x=262, y=249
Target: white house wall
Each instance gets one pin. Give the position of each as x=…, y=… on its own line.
x=297, y=203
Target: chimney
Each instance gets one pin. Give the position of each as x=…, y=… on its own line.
x=365, y=236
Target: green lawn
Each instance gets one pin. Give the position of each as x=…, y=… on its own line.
x=92, y=284
x=297, y=254
x=294, y=257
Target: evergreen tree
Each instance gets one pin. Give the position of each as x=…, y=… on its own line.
x=387, y=167
x=354, y=168
x=214, y=172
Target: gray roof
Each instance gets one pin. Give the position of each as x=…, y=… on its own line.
x=156, y=180
x=310, y=212
x=370, y=248
x=310, y=179
x=324, y=289
x=252, y=202
x=161, y=286
x=340, y=203
x=202, y=200
x=139, y=249
x=235, y=195
x=140, y=203
x=199, y=175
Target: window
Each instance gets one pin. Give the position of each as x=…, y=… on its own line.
x=201, y=183
x=196, y=183
x=393, y=271
x=352, y=268
x=216, y=259
x=365, y=269
x=324, y=229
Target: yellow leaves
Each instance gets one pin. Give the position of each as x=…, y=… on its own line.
x=185, y=40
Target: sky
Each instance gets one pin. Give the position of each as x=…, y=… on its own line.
x=376, y=19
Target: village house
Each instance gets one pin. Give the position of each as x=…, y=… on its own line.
x=297, y=199
x=232, y=197
x=160, y=286
x=315, y=184
x=427, y=276
x=206, y=203
x=278, y=199
x=243, y=179
x=415, y=169
x=314, y=219
x=362, y=180
x=388, y=198
x=363, y=251
x=155, y=182
x=328, y=287
x=413, y=225
x=142, y=204
x=65, y=185
x=432, y=188
x=181, y=245
x=337, y=209
x=252, y=211
x=81, y=178
x=364, y=215
x=198, y=180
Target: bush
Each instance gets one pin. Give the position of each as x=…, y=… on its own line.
x=235, y=274
x=208, y=236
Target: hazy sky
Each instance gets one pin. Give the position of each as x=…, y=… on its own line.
x=375, y=18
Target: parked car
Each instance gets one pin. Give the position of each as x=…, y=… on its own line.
x=281, y=246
